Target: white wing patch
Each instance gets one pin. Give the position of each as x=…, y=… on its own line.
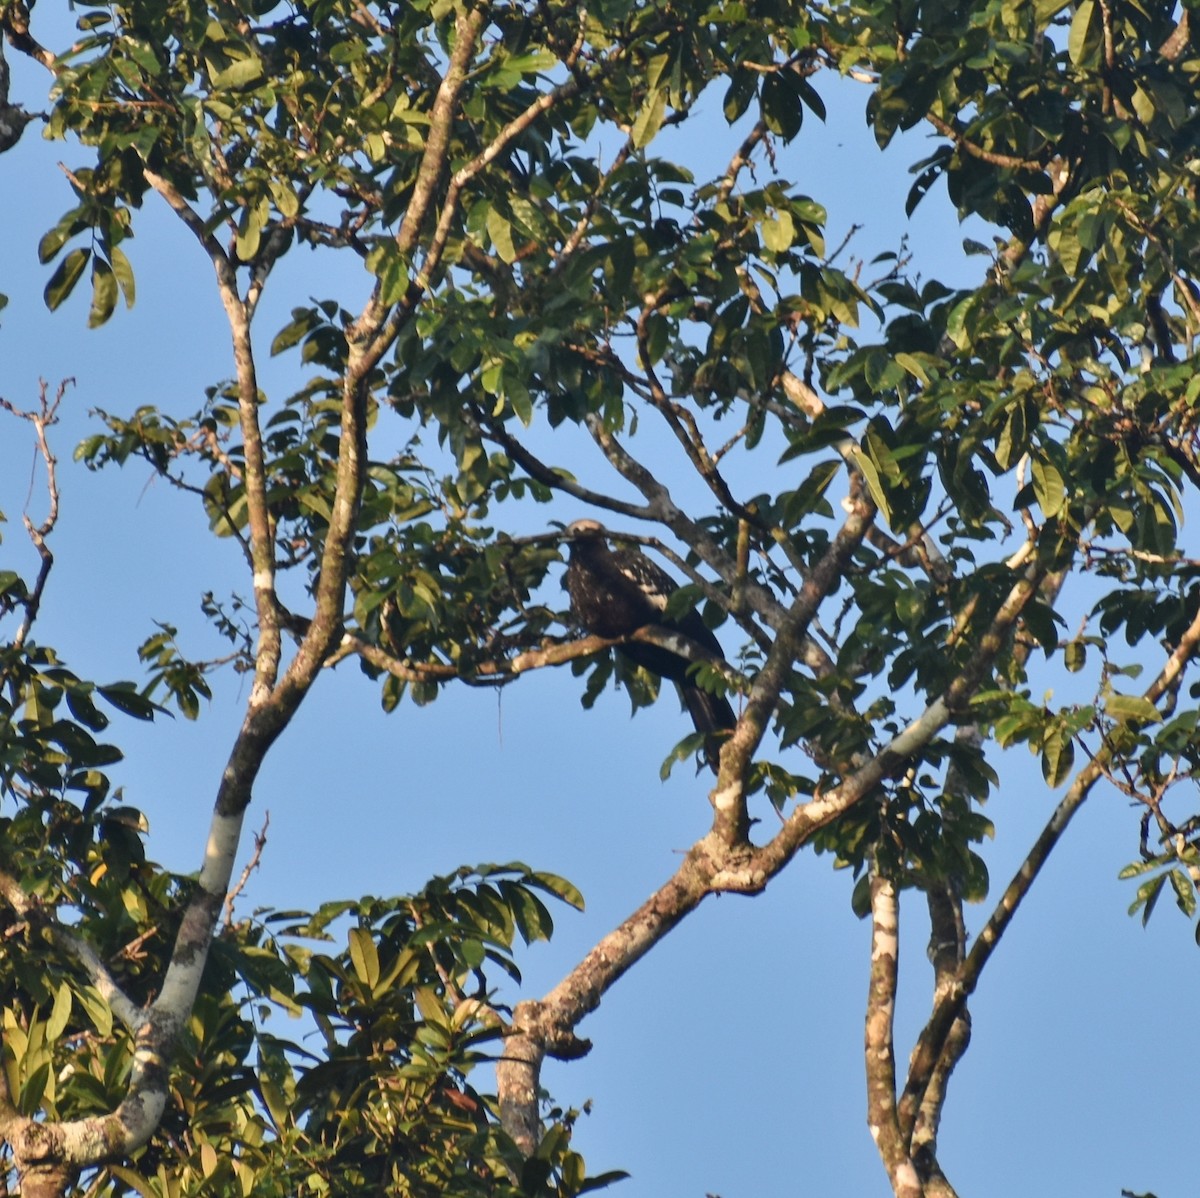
x=651, y=581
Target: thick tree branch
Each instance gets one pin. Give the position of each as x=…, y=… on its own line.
x=1007, y=161
x=546, y=1026
x=947, y=947
x=468, y=26
x=557, y=653
x=195, y=223
x=879, y=1048
x=254, y=480
x=550, y=476
x=14, y=22
x=729, y=797
x=741, y=159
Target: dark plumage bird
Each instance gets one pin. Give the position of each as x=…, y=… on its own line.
x=614, y=592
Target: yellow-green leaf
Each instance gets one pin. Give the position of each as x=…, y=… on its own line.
x=1048, y=486
x=241, y=73
x=779, y=234
x=60, y=1013
x=1077, y=39
x=1131, y=707
x=500, y=231
x=650, y=120
x=124, y=274
x=364, y=956
x=134, y=1180
x=97, y=1009
x=913, y=367
x=873, y=481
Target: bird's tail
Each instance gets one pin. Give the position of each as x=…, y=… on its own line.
x=712, y=715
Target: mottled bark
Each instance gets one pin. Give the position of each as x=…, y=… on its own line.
x=879, y=1046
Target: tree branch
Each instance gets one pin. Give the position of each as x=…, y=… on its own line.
x=548, y=1025
x=75, y=947
x=879, y=1048
x=43, y=418
x=931, y=1044
x=549, y=476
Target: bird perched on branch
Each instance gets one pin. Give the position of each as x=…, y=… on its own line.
x=616, y=592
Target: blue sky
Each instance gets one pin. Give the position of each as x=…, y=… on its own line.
x=730, y=1060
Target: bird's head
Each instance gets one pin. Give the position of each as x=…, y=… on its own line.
x=585, y=532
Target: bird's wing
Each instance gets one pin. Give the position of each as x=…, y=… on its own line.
x=654, y=583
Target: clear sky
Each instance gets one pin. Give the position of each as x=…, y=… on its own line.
x=729, y=1061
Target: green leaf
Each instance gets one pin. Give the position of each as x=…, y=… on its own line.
x=779, y=233
x=364, y=956
x=286, y=200
x=1131, y=708
x=239, y=74
x=277, y=1104
x=96, y=1009
x=913, y=366
x=429, y=1005
x=60, y=1013
x=860, y=897
x=125, y=697
x=782, y=109
x=1147, y=897
x=601, y=1181
x=66, y=275
x=1081, y=46
x=500, y=231
x=134, y=1180
x=249, y=232
x=1048, y=486
x=1185, y=894
x=54, y=239
x=124, y=274
x=956, y=322
x=650, y=120
x=560, y=888
x=811, y=97
x=1058, y=759
x=873, y=481
x=104, y=293
x=33, y=1089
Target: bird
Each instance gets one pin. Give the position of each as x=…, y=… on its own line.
x=614, y=592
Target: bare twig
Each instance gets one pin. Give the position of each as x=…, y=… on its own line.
x=260, y=843
x=42, y=418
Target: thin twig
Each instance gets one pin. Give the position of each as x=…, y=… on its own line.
x=45, y=415
x=260, y=843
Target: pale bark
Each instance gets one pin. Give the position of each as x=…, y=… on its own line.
x=879, y=1045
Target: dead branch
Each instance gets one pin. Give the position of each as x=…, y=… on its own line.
x=260, y=843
